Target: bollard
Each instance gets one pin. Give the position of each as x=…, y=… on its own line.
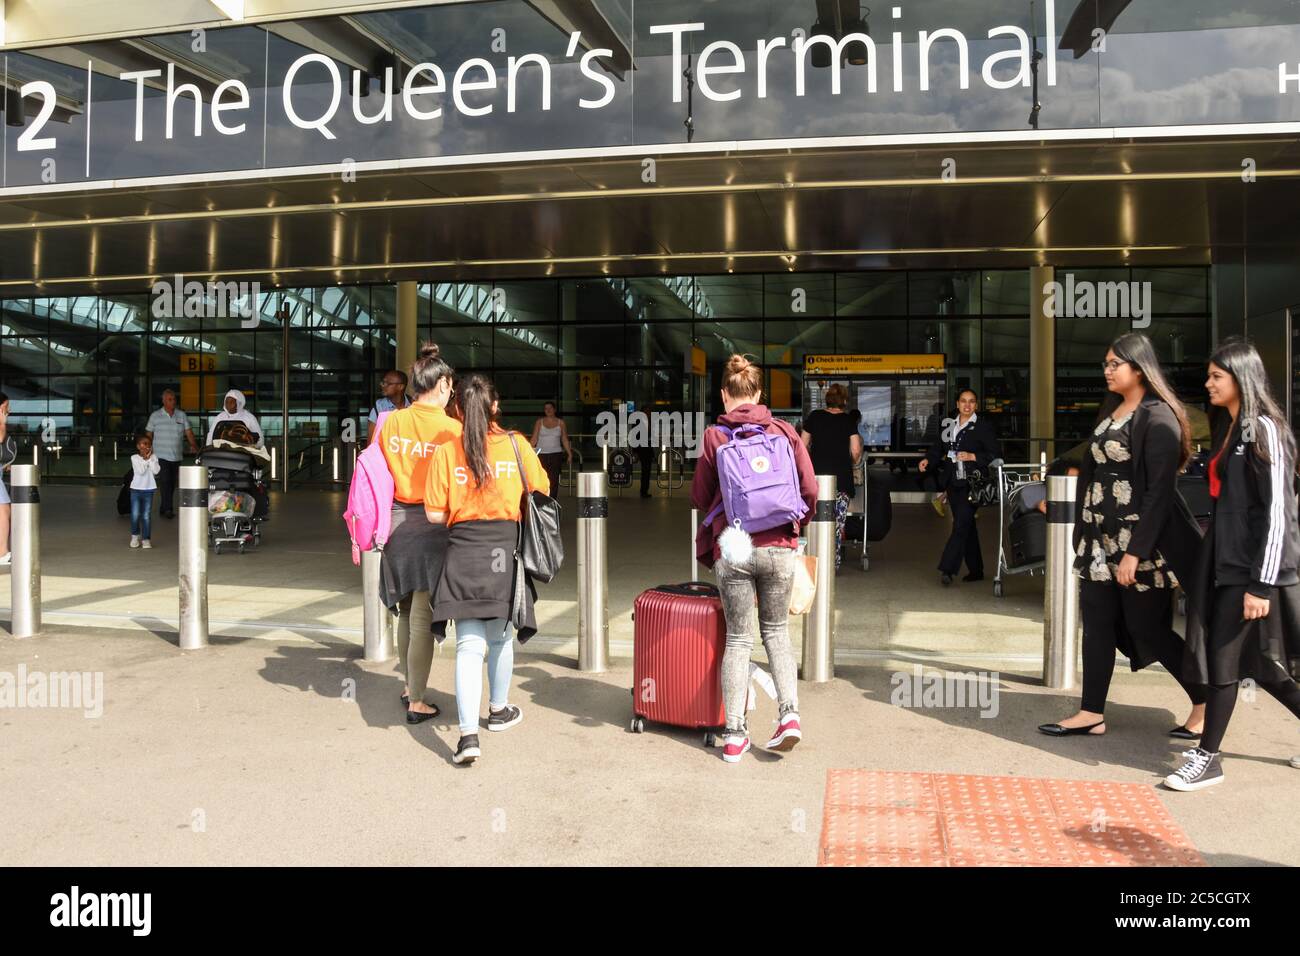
x=25, y=581
x=193, y=521
x=376, y=621
x=819, y=622
x=1061, y=589
x=593, y=573
x=695, y=562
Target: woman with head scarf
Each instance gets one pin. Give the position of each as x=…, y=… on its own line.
x=233, y=411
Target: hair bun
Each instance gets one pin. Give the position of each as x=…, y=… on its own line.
x=429, y=350
x=737, y=363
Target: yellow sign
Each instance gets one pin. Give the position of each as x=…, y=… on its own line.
x=192, y=363
x=589, y=388
x=197, y=362
x=698, y=363
x=872, y=364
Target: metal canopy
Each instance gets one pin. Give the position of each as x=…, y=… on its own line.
x=1084, y=203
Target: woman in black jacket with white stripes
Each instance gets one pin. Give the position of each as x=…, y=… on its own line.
x=1244, y=622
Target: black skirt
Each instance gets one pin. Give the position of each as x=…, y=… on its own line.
x=413, y=556
x=1264, y=650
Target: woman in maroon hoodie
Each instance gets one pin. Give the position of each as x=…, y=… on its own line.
x=766, y=572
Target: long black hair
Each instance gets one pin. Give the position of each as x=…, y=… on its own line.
x=1136, y=349
x=477, y=396
x=1241, y=360
x=428, y=369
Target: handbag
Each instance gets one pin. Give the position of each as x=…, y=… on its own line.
x=539, y=528
x=804, y=587
x=982, y=491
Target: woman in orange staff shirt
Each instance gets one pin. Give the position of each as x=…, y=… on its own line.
x=413, y=555
x=475, y=489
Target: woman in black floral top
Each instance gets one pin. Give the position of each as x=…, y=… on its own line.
x=1134, y=537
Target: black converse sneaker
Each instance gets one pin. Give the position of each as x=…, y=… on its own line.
x=1201, y=770
x=505, y=718
x=467, y=751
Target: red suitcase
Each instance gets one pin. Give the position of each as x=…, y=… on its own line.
x=679, y=635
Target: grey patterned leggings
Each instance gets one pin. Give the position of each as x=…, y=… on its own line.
x=769, y=572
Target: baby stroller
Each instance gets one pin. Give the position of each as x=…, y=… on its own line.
x=238, y=502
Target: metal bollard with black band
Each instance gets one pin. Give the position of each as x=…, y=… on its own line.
x=377, y=622
x=25, y=581
x=593, y=573
x=819, y=622
x=193, y=522
x=1061, y=589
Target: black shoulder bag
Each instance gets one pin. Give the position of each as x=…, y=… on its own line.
x=539, y=528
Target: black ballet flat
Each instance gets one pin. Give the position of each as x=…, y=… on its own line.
x=972, y=577
x=415, y=717
x=1056, y=730
x=1182, y=733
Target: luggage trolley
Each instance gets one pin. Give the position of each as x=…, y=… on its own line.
x=1020, y=489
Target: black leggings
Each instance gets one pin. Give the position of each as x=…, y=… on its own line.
x=1104, y=606
x=1223, y=699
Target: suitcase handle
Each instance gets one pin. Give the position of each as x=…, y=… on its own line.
x=690, y=589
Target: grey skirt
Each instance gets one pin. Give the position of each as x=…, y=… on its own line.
x=413, y=556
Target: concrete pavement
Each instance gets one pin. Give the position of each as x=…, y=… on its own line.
x=266, y=751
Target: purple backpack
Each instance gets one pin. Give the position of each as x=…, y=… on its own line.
x=759, y=480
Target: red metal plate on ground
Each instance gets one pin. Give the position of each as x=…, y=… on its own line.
x=885, y=818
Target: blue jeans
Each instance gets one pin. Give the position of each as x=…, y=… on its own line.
x=475, y=640
x=141, y=506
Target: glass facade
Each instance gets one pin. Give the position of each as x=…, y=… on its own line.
x=88, y=370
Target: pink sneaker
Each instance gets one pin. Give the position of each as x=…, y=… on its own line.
x=787, y=734
x=734, y=747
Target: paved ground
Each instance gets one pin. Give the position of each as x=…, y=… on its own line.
x=294, y=751
x=279, y=745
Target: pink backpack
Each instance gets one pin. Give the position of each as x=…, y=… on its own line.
x=370, y=499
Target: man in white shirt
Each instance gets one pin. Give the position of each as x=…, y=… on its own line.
x=167, y=428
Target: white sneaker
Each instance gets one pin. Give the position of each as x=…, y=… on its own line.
x=135, y=541
x=7, y=560
x=146, y=544
x=1295, y=762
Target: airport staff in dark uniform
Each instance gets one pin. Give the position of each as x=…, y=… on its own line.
x=965, y=443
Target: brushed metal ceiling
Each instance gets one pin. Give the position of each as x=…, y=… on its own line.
x=1089, y=203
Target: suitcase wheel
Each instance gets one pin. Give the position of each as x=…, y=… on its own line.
x=710, y=739
x=638, y=725
x=997, y=589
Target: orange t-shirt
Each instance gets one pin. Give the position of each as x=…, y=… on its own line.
x=451, y=487
x=409, y=438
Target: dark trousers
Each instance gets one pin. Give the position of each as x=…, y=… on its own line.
x=647, y=457
x=1147, y=615
x=553, y=462
x=964, y=542
x=168, y=477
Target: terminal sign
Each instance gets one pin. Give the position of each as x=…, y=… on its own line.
x=872, y=364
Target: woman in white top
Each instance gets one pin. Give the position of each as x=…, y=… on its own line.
x=551, y=440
